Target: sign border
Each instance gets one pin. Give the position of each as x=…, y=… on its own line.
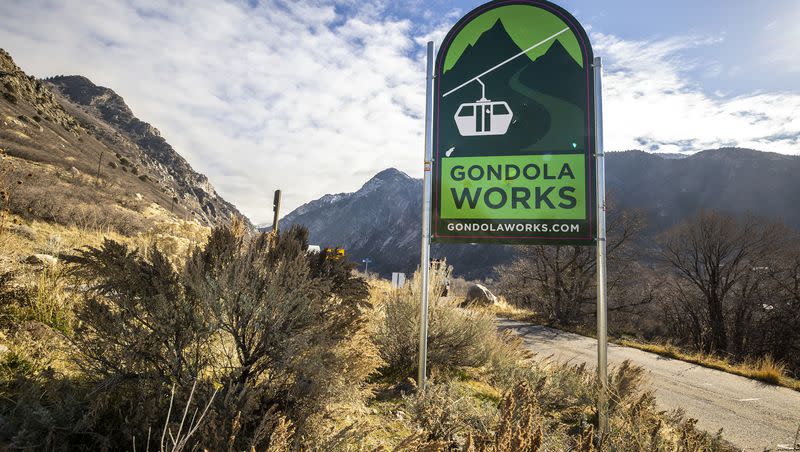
x=590, y=149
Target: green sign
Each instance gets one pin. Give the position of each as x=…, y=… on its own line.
x=513, y=129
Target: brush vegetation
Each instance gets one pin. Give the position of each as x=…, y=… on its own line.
x=226, y=340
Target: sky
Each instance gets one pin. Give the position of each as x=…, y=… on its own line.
x=315, y=97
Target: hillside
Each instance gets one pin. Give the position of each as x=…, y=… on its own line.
x=76, y=154
x=730, y=179
x=381, y=220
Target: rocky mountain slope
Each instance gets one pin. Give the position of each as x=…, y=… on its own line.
x=84, y=156
x=382, y=219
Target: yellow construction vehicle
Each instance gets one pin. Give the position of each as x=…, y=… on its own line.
x=333, y=253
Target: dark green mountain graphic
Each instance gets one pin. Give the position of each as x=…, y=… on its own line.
x=494, y=46
x=545, y=97
x=556, y=74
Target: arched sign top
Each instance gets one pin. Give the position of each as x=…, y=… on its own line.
x=516, y=17
x=513, y=136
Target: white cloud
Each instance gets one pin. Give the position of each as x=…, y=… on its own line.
x=649, y=103
x=312, y=97
x=289, y=95
x=780, y=38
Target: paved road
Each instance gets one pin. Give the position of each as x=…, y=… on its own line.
x=754, y=416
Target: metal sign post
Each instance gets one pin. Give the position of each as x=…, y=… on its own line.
x=602, y=307
x=426, y=222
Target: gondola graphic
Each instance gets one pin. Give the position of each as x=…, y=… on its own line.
x=485, y=117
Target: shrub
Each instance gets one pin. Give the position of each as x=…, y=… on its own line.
x=768, y=370
x=554, y=410
x=282, y=334
x=131, y=298
x=39, y=297
x=447, y=413
x=294, y=317
x=10, y=97
x=456, y=337
x=521, y=427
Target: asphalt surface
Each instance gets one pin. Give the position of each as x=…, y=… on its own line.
x=753, y=416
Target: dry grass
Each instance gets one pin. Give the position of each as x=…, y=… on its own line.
x=380, y=290
x=40, y=307
x=21, y=237
x=763, y=369
x=175, y=238
x=504, y=309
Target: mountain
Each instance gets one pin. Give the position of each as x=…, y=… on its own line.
x=729, y=179
x=382, y=219
x=84, y=152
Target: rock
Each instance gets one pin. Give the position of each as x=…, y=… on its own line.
x=479, y=295
x=23, y=231
x=41, y=259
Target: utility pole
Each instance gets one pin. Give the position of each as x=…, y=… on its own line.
x=99, y=162
x=276, y=208
x=366, y=262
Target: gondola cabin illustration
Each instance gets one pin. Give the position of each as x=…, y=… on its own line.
x=483, y=117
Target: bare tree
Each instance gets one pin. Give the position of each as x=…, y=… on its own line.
x=559, y=281
x=719, y=262
x=784, y=305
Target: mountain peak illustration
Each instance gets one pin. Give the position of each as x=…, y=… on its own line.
x=557, y=54
x=492, y=47
x=556, y=74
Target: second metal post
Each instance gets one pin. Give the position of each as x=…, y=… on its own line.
x=602, y=307
x=426, y=222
